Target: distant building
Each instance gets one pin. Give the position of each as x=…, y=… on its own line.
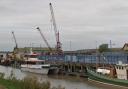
x=93, y=51
x=70, y=53
x=87, y=51
x=34, y=49
x=125, y=47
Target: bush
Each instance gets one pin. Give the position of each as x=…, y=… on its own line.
x=27, y=83
x=33, y=83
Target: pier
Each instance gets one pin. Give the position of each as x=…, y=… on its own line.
x=71, y=64
x=74, y=69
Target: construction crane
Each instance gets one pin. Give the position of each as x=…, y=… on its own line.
x=15, y=51
x=58, y=43
x=43, y=37
x=16, y=45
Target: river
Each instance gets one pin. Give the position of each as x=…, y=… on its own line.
x=68, y=82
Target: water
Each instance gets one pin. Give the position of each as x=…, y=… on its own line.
x=67, y=81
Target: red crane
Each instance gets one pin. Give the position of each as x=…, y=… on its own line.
x=43, y=37
x=58, y=43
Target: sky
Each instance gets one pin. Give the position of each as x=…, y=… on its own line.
x=83, y=24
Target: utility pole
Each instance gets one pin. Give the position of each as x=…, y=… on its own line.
x=70, y=46
x=111, y=44
x=97, y=57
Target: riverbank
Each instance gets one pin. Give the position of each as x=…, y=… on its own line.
x=8, y=84
x=26, y=83
x=69, y=82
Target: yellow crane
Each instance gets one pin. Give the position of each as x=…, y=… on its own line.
x=16, y=45
x=15, y=55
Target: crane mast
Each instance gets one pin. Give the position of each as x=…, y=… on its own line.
x=58, y=43
x=15, y=40
x=43, y=37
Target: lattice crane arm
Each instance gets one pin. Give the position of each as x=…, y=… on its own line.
x=14, y=39
x=43, y=37
x=53, y=21
x=58, y=43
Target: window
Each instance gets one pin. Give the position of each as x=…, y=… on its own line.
x=122, y=68
x=119, y=67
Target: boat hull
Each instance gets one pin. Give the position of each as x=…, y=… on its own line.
x=106, y=80
x=36, y=70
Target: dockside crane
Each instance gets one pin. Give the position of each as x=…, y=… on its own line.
x=43, y=37
x=16, y=45
x=58, y=43
x=15, y=55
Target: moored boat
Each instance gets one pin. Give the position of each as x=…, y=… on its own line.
x=34, y=65
x=117, y=76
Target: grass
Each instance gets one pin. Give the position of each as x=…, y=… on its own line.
x=26, y=83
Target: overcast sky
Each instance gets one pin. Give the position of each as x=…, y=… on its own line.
x=82, y=24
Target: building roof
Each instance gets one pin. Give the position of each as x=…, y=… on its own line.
x=35, y=49
x=125, y=45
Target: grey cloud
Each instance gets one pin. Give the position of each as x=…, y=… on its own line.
x=81, y=21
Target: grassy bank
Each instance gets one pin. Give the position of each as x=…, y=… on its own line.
x=26, y=83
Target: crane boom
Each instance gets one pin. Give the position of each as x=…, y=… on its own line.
x=58, y=43
x=15, y=39
x=43, y=37
x=53, y=20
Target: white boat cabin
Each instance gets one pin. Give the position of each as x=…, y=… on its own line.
x=122, y=71
x=103, y=70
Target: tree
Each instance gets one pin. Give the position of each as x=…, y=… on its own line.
x=103, y=48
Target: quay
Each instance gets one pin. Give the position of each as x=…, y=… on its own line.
x=73, y=69
x=73, y=63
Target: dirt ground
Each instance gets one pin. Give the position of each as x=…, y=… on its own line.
x=2, y=87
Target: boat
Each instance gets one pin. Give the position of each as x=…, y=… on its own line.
x=114, y=76
x=34, y=65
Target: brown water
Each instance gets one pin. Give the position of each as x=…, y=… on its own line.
x=67, y=81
